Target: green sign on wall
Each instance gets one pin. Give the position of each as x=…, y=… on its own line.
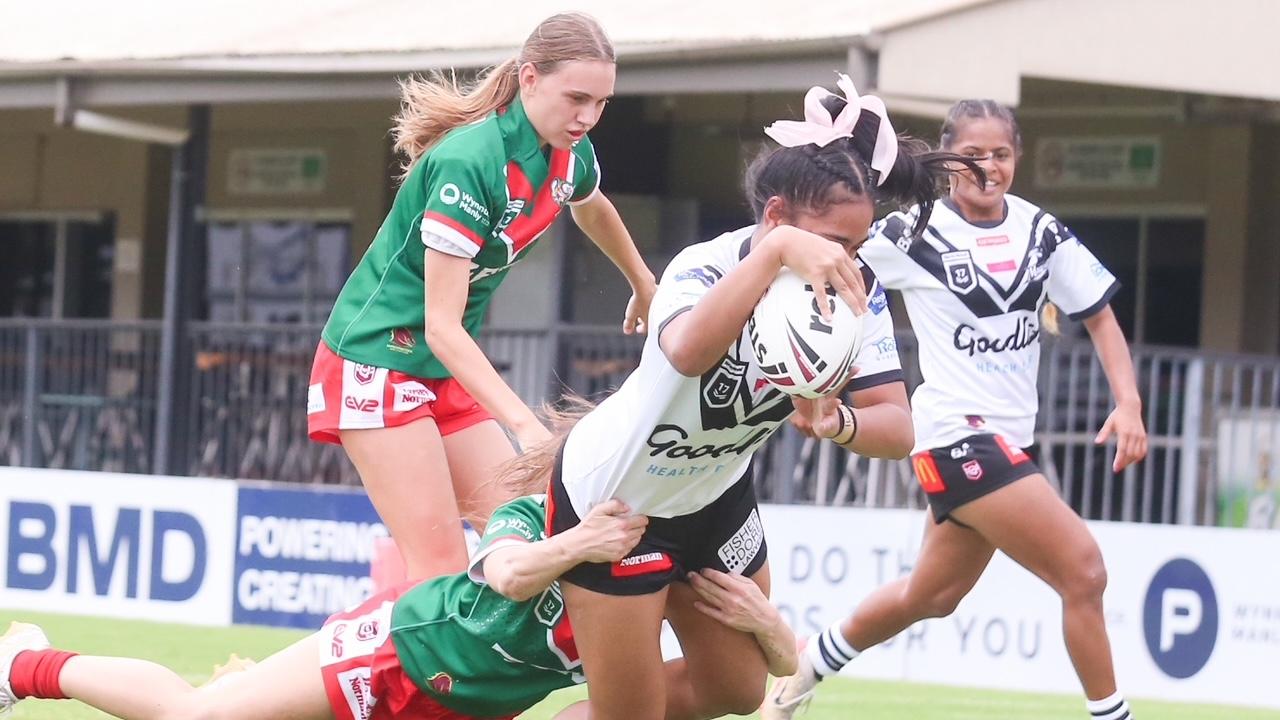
x=1097, y=162
x=277, y=171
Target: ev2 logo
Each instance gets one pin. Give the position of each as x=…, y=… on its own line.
x=365, y=405
x=1180, y=618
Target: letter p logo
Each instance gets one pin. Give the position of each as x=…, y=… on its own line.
x=1180, y=614
x=1180, y=618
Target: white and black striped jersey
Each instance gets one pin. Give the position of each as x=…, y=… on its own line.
x=669, y=445
x=973, y=293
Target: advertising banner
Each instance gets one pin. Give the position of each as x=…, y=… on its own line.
x=131, y=546
x=1193, y=613
x=301, y=553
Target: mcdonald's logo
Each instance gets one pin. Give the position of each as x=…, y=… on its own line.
x=927, y=473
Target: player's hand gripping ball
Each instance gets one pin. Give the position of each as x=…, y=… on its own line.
x=800, y=352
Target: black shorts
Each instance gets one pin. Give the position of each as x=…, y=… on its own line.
x=966, y=470
x=725, y=535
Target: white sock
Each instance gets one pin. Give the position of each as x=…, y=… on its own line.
x=1110, y=708
x=828, y=651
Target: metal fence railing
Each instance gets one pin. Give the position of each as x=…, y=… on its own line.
x=82, y=395
x=1213, y=423
x=592, y=361
x=78, y=394
x=246, y=415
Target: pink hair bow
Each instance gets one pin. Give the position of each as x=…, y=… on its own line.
x=819, y=128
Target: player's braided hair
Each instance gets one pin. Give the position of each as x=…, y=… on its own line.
x=977, y=109
x=840, y=164
x=805, y=176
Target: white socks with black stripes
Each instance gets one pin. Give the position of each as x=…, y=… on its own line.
x=1109, y=708
x=828, y=651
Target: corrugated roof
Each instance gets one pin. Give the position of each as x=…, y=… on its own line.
x=36, y=33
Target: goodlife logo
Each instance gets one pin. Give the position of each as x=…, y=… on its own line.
x=1024, y=334
x=665, y=440
x=1180, y=618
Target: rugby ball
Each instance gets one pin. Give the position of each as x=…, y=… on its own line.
x=798, y=351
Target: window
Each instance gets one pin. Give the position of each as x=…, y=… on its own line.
x=272, y=271
x=1159, y=263
x=56, y=266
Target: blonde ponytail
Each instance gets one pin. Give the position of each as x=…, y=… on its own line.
x=1049, y=319
x=433, y=105
x=529, y=472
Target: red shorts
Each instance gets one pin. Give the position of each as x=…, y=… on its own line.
x=346, y=395
x=362, y=673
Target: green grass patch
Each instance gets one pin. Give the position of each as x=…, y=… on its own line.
x=192, y=651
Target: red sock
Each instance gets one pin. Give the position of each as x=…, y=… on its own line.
x=35, y=674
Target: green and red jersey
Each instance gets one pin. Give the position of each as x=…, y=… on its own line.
x=486, y=191
x=477, y=652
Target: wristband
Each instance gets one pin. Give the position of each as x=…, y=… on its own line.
x=844, y=423
x=848, y=423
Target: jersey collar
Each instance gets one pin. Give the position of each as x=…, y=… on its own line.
x=745, y=247
x=980, y=224
x=517, y=132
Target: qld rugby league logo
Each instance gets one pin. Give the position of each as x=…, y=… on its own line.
x=364, y=373
x=514, y=207
x=725, y=384
x=367, y=630
x=961, y=275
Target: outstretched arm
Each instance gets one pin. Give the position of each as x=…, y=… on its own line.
x=519, y=570
x=447, y=279
x=1125, y=422
x=739, y=603
x=599, y=219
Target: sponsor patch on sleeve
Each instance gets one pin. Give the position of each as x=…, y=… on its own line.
x=511, y=526
x=707, y=275
x=878, y=301
x=469, y=203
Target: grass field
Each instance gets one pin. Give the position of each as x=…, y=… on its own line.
x=192, y=652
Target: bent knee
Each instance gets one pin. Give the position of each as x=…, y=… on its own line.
x=1085, y=580
x=742, y=698
x=938, y=603
x=743, y=701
